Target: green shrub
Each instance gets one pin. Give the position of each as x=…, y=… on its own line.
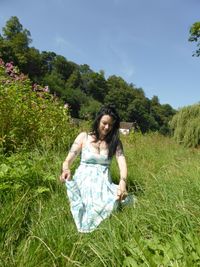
x=30, y=115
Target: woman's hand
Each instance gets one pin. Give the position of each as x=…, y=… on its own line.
x=121, y=191
x=65, y=175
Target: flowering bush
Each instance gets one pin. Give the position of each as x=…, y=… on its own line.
x=30, y=115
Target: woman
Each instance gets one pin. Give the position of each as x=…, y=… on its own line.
x=91, y=193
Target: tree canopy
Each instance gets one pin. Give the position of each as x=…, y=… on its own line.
x=195, y=37
x=81, y=88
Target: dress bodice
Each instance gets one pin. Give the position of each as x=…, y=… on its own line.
x=90, y=157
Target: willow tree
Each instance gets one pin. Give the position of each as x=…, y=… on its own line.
x=185, y=126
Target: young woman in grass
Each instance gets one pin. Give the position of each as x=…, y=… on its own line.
x=91, y=193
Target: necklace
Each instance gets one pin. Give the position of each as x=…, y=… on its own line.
x=98, y=145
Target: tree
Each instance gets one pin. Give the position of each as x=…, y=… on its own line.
x=90, y=109
x=63, y=67
x=55, y=82
x=119, y=94
x=6, y=52
x=75, y=99
x=14, y=28
x=84, y=69
x=74, y=81
x=138, y=112
x=18, y=40
x=155, y=101
x=195, y=36
x=185, y=126
x=47, y=59
x=33, y=66
x=162, y=114
x=95, y=85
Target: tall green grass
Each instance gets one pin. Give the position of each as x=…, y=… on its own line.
x=162, y=229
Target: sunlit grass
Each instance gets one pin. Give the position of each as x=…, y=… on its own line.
x=162, y=229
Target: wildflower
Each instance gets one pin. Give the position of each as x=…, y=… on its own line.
x=46, y=89
x=66, y=106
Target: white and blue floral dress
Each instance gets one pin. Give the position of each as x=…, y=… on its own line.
x=91, y=193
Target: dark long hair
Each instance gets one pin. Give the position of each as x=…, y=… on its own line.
x=112, y=138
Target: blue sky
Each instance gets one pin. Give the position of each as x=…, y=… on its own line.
x=143, y=41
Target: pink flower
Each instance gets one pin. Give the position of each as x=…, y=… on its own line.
x=66, y=106
x=9, y=67
x=46, y=89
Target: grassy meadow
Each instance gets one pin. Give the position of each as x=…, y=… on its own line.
x=161, y=229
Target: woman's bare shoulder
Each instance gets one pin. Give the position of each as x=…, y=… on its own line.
x=83, y=134
x=81, y=137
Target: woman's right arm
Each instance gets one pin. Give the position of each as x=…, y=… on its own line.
x=73, y=153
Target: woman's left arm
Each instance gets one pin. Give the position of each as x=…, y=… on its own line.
x=121, y=160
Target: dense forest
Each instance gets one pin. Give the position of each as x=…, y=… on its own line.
x=82, y=89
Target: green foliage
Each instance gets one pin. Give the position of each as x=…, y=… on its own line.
x=88, y=112
x=162, y=229
x=17, y=39
x=79, y=86
x=30, y=116
x=138, y=112
x=74, y=81
x=63, y=67
x=161, y=114
x=13, y=28
x=133, y=106
x=47, y=59
x=34, y=64
x=55, y=83
x=120, y=94
x=75, y=98
x=186, y=127
x=195, y=36
x=21, y=172
x=95, y=85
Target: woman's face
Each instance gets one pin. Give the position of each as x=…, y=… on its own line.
x=105, y=125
